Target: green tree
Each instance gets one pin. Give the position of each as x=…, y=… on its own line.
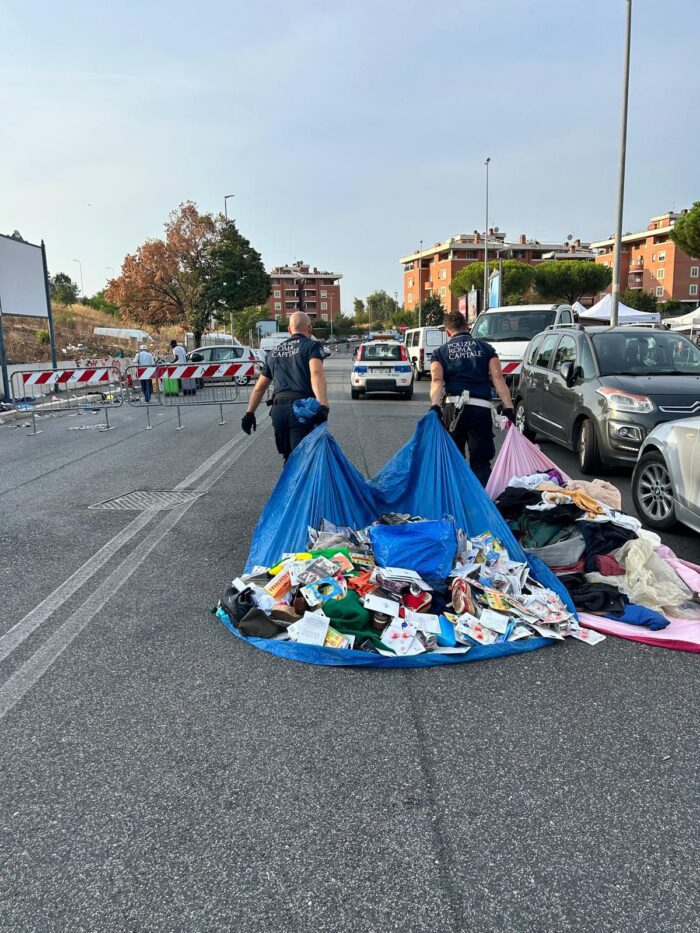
x=381, y=306
x=639, y=300
x=570, y=279
x=686, y=231
x=401, y=316
x=517, y=279
x=669, y=308
x=433, y=311
x=100, y=303
x=63, y=289
x=233, y=272
x=245, y=320
x=343, y=324
x=359, y=311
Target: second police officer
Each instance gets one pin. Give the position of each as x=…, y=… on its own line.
x=463, y=370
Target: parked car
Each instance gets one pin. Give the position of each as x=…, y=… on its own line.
x=421, y=343
x=601, y=390
x=381, y=366
x=230, y=354
x=666, y=479
x=510, y=329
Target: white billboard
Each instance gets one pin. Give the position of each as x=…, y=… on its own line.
x=22, y=287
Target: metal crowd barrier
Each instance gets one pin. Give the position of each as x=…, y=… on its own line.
x=189, y=385
x=43, y=391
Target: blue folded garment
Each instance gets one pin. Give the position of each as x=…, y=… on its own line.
x=306, y=409
x=640, y=615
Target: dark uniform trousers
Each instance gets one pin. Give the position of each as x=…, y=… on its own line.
x=474, y=431
x=289, y=432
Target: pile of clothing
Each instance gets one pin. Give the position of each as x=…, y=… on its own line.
x=402, y=586
x=608, y=563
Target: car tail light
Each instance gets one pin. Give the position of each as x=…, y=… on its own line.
x=404, y=355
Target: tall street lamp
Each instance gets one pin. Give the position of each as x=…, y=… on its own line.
x=615, y=291
x=420, y=285
x=485, y=302
x=226, y=197
x=82, y=290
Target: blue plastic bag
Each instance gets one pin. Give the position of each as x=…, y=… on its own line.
x=429, y=548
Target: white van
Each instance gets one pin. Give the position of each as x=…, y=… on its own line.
x=421, y=343
x=509, y=329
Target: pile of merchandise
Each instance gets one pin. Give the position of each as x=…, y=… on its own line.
x=402, y=586
x=609, y=564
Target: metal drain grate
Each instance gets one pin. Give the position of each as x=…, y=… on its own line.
x=140, y=500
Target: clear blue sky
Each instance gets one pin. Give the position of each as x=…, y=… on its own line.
x=348, y=130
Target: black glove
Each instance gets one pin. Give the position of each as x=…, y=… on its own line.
x=438, y=410
x=509, y=413
x=322, y=414
x=248, y=422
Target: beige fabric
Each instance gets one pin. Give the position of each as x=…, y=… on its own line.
x=600, y=490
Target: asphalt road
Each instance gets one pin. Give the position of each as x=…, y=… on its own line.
x=159, y=775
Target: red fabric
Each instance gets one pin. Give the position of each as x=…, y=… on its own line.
x=608, y=566
x=578, y=567
x=361, y=583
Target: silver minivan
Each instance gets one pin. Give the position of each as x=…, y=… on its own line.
x=421, y=343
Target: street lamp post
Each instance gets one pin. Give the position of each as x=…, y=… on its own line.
x=226, y=197
x=111, y=269
x=485, y=302
x=615, y=291
x=331, y=299
x=82, y=290
x=420, y=285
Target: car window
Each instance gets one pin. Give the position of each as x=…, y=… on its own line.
x=637, y=353
x=565, y=317
x=433, y=338
x=511, y=325
x=534, y=347
x=545, y=352
x=585, y=362
x=566, y=352
x=205, y=354
x=382, y=351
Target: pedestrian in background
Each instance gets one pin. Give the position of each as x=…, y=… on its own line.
x=188, y=386
x=295, y=368
x=145, y=358
x=470, y=366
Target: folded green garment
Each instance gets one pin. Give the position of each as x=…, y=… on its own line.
x=536, y=532
x=350, y=617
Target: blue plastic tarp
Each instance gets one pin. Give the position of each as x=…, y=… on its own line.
x=427, y=477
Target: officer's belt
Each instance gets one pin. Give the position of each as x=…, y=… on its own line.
x=479, y=402
x=280, y=398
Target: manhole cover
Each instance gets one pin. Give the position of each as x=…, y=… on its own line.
x=140, y=500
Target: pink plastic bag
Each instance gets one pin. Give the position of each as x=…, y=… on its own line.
x=518, y=457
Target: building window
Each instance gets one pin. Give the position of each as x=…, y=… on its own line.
x=324, y=293
x=694, y=271
x=443, y=291
x=324, y=306
x=290, y=292
x=410, y=282
x=662, y=257
x=653, y=257
x=278, y=293
x=443, y=273
x=409, y=300
x=693, y=290
x=660, y=273
x=659, y=291
x=278, y=306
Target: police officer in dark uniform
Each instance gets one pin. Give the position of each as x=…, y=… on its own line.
x=467, y=365
x=295, y=368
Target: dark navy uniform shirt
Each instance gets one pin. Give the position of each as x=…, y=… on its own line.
x=288, y=364
x=465, y=365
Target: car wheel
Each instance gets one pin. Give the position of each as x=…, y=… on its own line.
x=652, y=492
x=419, y=375
x=354, y=394
x=588, y=456
x=242, y=380
x=408, y=393
x=521, y=422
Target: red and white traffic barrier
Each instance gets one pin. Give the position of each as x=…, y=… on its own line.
x=62, y=376
x=196, y=371
x=512, y=369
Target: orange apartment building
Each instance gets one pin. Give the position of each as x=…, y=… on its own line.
x=321, y=291
x=651, y=261
x=432, y=269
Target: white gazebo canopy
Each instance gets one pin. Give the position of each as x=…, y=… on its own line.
x=601, y=312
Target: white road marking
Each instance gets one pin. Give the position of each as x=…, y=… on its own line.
x=47, y=607
x=32, y=670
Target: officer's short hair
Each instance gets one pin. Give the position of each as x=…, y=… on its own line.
x=455, y=320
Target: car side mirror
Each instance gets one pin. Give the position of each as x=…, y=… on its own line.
x=568, y=372
x=196, y=358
